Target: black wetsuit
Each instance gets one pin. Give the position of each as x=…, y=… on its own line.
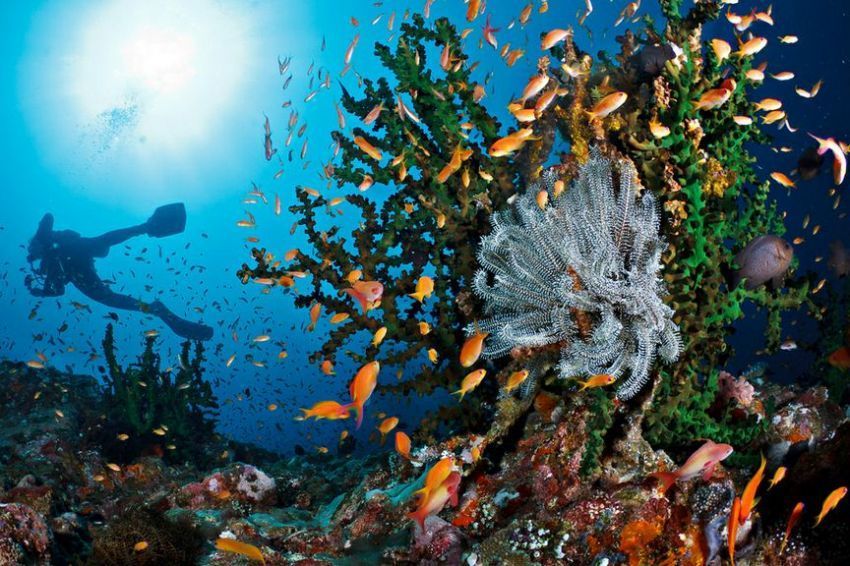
x=66, y=257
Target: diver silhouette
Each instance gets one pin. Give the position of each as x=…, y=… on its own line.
x=65, y=256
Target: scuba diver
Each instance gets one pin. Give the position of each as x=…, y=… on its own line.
x=66, y=257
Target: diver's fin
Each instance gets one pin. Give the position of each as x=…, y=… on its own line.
x=182, y=327
x=167, y=220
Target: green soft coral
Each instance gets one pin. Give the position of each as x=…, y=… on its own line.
x=142, y=397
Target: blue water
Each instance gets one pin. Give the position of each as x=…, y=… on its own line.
x=111, y=171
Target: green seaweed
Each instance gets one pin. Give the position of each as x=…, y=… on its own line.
x=599, y=421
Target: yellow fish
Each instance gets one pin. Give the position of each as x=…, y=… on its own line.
x=243, y=548
x=470, y=382
x=608, y=104
x=516, y=379
x=598, y=380
x=830, y=503
x=424, y=288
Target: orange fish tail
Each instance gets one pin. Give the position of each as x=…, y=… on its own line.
x=419, y=517
x=358, y=408
x=666, y=479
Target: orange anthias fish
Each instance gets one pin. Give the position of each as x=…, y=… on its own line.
x=402, y=444
x=715, y=97
x=315, y=311
x=721, y=49
x=783, y=179
x=436, y=499
x=470, y=382
x=472, y=10
x=830, y=503
x=840, y=358
x=608, y=104
x=749, y=496
x=424, y=288
x=751, y=47
x=778, y=476
x=435, y=476
x=516, y=379
x=535, y=85
x=472, y=348
x=552, y=38
x=362, y=386
x=839, y=163
x=732, y=528
x=386, y=427
x=243, y=548
x=379, y=335
x=792, y=520
x=702, y=461
x=368, y=148
x=510, y=143
x=330, y=410
x=598, y=380
x=459, y=155
x=367, y=293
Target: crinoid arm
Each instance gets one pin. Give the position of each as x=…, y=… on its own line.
x=595, y=249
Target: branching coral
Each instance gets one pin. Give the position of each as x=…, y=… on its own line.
x=695, y=163
x=152, y=406
x=595, y=249
x=425, y=223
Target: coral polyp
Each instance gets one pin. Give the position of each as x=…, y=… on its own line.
x=592, y=254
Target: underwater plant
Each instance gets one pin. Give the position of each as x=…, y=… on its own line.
x=145, y=407
x=592, y=253
x=166, y=541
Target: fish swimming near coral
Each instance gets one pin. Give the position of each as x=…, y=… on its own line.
x=434, y=501
x=702, y=462
x=651, y=59
x=243, y=548
x=599, y=380
x=366, y=293
x=330, y=410
x=361, y=388
x=765, y=259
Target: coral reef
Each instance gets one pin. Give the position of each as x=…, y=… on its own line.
x=592, y=253
x=691, y=159
x=573, y=281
